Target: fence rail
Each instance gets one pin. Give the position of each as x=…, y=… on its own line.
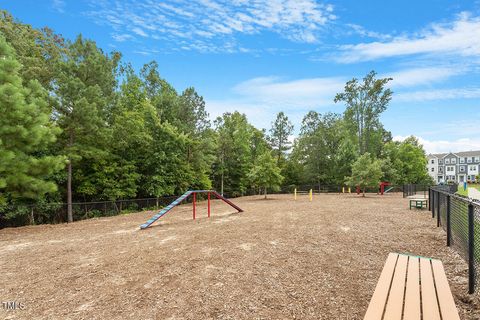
x=460, y=218
x=57, y=212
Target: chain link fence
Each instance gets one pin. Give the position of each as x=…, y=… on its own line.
x=50, y=212
x=57, y=212
x=460, y=218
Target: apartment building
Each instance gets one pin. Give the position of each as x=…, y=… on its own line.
x=457, y=167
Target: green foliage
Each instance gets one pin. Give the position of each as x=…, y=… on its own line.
x=25, y=132
x=366, y=172
x=265, y=173
x=322, y=151
x=38, y=50
x=409, y=160
x=233, y=153
x=130, y=134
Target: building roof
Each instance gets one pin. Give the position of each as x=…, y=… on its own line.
x=460, y=154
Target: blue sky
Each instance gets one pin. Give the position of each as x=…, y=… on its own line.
x=261, y=57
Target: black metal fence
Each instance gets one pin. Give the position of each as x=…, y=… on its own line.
x=460, y=218
x=414, y=189
x=57, y=212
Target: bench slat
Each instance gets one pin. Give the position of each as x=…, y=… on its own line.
x=412, y=293
x=429, y=296
x=445, y=298
x=377, y=303
x=397, y=290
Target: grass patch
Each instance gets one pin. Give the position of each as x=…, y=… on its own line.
x=461, y=191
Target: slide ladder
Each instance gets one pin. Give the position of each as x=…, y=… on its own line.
x=183, y=197
x=388, y=189
x=219, y=196
x=165, y=210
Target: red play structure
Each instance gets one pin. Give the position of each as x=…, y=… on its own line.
x=382, y=186
x=185, y=196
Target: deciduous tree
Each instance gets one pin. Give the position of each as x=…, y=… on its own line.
x=365, y=102
x=265, y=173
x=366, y=172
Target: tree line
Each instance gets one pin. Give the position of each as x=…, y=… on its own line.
x=79, y=124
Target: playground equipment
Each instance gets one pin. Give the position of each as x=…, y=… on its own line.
x=184, y=196
x=310, y=194
x=389, y=189
x=346, y=190
x=383, y=184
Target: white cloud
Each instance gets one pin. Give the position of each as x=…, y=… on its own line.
x=210, y=23
x=59, y=5
x=441, y=146
x=261, y=98
x=361, y=31
x=122, y=37
x=420, y=76
x=461, y=37
x=438, y=94
x=306, y=93
x=139, y=31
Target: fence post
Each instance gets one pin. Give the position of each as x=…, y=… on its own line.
x=438, y=212
x=429, y=198
x=194, y=204
x=449, y=227
x=432, y=201
x=209, y=204
x=471, y=261
x=32, y=216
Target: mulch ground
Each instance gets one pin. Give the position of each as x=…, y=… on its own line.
x=280, y=259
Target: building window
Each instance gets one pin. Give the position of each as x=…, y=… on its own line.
x=469, y=160
x=462, y=169
x=477, y=159
x=454, y=160
x=462, y=160
x=433, y=161
x=447, y=161
x=433, y=169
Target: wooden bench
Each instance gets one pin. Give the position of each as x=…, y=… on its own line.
x=418, y=203
x=412, y=287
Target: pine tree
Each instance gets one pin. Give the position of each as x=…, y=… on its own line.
x=25, y=132
x=281, y=129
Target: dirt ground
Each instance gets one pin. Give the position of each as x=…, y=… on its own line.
x=279, y=259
